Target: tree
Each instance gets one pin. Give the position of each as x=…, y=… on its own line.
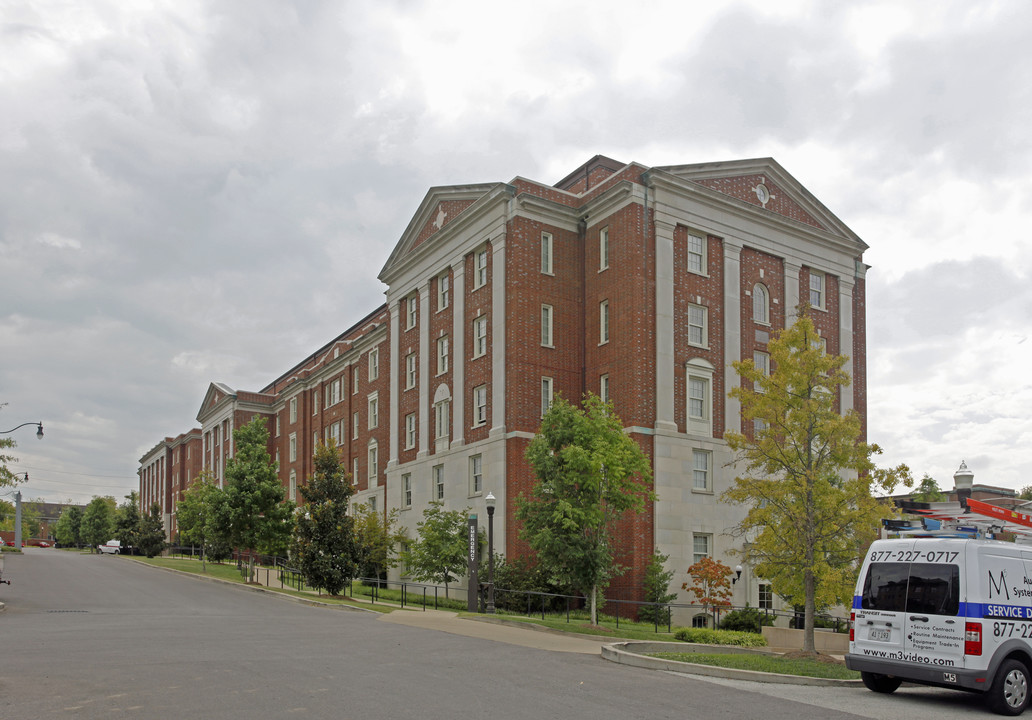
x=323, y=545
x=711, y=584
x=202, y=515
x=150, y=536
x=98, y=521
x=258, y=516
x=66, y=531
x=378, y=537
x=589, y=473
x=807, y=477
x=438, y=554
x=928, y=490
x=657, y=590
x=127, y=522
x=7, y=478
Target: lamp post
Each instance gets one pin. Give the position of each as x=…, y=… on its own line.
x=39, y=429
x=490, y=499
x=962, y=482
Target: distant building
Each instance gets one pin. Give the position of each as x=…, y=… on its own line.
x=639, y=284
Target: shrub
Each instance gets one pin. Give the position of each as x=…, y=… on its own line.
x=706, y=636
x=520, y=575
x=746, y=620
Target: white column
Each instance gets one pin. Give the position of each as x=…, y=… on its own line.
x=732, y=330
x=498, y=335
x=665, y=326
x=458, y=349
x=395, y=373
x=846, y=339
x=425, y=378
x=792, y=270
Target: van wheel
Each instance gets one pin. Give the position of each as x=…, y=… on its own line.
x=1009, y=693
x=880, y=683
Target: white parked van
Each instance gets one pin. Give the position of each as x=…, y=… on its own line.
x=948, y=612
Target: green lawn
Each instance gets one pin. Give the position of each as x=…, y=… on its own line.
x=766, y=663
x=579, y=624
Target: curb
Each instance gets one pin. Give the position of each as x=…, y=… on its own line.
x=629, y=653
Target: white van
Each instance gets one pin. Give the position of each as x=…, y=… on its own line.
x=947, y=612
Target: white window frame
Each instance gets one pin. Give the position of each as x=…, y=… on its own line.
x=292, y=448
x=442, y=420
x=762, y=362
x=821, y=290
x=410, y=371
x=696, y=253
x=480, y=268
x=293, y=486
x=603, y=249
x=698, y=325
x=701, y=549
x=765, y=596
x=372, y=503
x=437, y=482
x=354, y=425
x=479, y=336
x=547, y=315
x=702, y=470
x=406, y=490
x=698, y=370
x=277, y=425
x=603, y=322
x=442, y=355
x=293, y=410
x=374, y=364
x=315, y=401
x=354, y=471
x=354, y=380
x=479, y=405
x=373, y=405
x=443, y=290
x=546, y=254
x=476, y=475
x=412, y=311
x=410, y=431
x=547, y=394
x=603, y=387
x=373, y=463
x=761, y=304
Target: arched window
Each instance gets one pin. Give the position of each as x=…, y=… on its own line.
x=760, y=304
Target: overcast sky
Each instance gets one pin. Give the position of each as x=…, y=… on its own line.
x=199, y=191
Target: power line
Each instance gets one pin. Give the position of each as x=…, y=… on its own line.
x=65, y=472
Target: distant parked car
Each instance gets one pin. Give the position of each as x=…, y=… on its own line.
x=43, y=543
x=111, y=547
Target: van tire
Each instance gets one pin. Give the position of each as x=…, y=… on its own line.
x=880, y=683
x=1009, y=693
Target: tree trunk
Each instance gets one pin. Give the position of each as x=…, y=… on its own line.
x=809, y=611
x=594, y=604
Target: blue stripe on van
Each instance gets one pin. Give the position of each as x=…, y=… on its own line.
x=980, y=610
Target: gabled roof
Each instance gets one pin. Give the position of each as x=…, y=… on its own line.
x=217, y=394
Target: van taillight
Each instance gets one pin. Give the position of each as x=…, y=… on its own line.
x=972, y=638
x=852, y=623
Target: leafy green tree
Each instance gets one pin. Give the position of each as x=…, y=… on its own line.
x=258, y=517
x=438, y=554
x=98, y=521
x=7, y=477
x=202, y=515
x=66, y=531
x=807, y=478
x=657, y=590
x=589, y=473
x=324, y=545
x=150, y=537
x=1025, y=493
x=378, y=537
x=928, y=490
x=127, y=522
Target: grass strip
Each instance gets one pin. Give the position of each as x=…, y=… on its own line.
x=766, y=663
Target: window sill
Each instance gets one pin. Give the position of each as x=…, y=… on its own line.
x=699, y=274
x=604, y=342
x=603, y=269
x=702, y=491
x=550, y=347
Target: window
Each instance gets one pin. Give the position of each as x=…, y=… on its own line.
x=479, y=336
x=354, y=471
x=438, y=489
x=406, y=490
x=546, y=395
x=701, y=546
x=410, y=371
x=277, y=425
x=546, y=253
x=546, y=325
x=603, y=387
x=762, y=362
x=374, y=364
x=697, y=330
x=701, y=470
x=354, y=381
x=443, y=287
x=374, y=411
x=410, y=431
x=603, y=322
x=293, y=410
x=315, y=439
x=372, y=504
x=374, y=464
x=766, y=601
x=442, y=355
x=413, y=312
x=817, y=289
x=315, y=402
x=698, y=398
x=354, y=426
x=480, y=269
x=442, y=414
x=476, y=474
x=760, y=304
x=293, y=487
x=292, y=452
x=479, y=405
x=696, y=254
x=603, y=248
x=333, y=393
x=277, y=459
x=333, y=434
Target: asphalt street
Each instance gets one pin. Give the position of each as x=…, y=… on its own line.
x=90, y=636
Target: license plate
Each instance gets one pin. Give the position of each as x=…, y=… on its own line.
x=880, y=635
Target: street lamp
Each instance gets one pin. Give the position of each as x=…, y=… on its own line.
x=39, y=429
x=738, y=574
x=490, y=499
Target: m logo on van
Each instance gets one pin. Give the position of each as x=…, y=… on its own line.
x=998, y=588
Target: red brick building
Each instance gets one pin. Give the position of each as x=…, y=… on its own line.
x=640, y=284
